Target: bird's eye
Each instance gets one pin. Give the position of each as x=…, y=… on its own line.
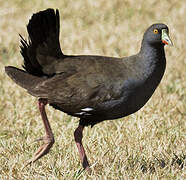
x=155, y=31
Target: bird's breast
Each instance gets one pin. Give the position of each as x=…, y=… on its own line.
x=135, y=95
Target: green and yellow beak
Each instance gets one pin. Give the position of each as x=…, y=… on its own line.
x=165, y=37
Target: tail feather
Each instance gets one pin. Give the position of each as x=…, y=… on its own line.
x=31, y=65
x=23, y=78
x=43, y=29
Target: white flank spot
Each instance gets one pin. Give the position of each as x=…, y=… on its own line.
x=87, y=109
x=80, y=113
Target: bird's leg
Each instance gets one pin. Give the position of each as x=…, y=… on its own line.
x=78, y=135
x=48, y=138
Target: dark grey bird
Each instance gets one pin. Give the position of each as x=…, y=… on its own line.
x=92, y=88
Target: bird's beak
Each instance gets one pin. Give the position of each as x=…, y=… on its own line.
x=165, y=37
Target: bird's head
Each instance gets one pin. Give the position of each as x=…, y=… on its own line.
x=157, y=35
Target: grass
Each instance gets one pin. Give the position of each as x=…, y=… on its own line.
x=149, y=144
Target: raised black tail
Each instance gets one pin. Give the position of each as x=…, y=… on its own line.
x=43, y=46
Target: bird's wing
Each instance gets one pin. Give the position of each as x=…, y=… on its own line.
x=88, y=82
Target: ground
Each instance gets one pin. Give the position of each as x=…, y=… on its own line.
x=149, y=144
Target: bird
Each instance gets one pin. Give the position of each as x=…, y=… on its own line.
x=91, y=88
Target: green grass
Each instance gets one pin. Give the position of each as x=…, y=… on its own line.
x=149, y=144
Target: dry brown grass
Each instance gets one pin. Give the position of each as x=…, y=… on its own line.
x=149, y=144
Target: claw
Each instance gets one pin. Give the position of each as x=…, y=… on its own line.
x=88, y=170
x=48, y=138
x=43, y=149
x=39, y=139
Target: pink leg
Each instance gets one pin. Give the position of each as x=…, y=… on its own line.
x=78, y=135
x=48, y=138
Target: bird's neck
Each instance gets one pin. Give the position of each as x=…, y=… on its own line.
x=152, y=50
x=153, y=57
x=154, y=64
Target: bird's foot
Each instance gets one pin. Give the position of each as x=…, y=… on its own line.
x=88, y=170
x=43, y=149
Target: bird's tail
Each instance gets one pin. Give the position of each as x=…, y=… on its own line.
x=23, y=78
x=43, y=30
